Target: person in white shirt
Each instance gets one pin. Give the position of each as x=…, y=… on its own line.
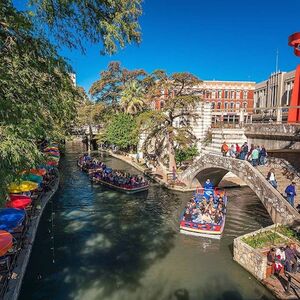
x=271, y=178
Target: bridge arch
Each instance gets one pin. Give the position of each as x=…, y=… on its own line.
x=215, y=167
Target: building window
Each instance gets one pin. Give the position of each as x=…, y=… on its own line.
x=219, y=94
x=213, y=93
x=226, y=95
x=245, y=105
x=162, y=104
x=238, y=94
x=213, y=105
x=225, y=105
x=232, y=94
x=231, y=106
x=219, y=105
x=237, y=105
x=245, y=95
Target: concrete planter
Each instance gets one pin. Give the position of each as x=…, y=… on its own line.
x=254, y=260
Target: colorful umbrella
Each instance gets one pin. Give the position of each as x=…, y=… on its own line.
x=51, y=149
x=11, y=218
x=6, y=242
x=52, y=163
x=56, y=154
x=19, y=202
x=40, y=171
x=33, y=177
x=24, y=186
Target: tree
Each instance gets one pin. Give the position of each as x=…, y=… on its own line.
x=181, y=96
x=37, y=97
x=109, y=87
x=185, y=153
x=122, y=132
x=71, y=22
x=133, y=98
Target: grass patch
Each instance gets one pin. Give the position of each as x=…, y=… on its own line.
x=264, y=239
x=272, y=238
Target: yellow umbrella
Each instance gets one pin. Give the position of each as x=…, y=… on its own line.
x=24, y=186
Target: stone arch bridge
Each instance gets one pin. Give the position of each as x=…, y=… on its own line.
x=215, y=167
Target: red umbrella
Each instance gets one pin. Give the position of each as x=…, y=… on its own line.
x=18, y=201
x=6, y=242
x=52, y=163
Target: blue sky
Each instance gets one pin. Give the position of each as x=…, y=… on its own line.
x=216, y=39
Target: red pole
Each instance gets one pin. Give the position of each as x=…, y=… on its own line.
x=294, y=112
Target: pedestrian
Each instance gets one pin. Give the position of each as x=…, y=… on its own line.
x=249, y=157
x=291, y=193
x=244, y=151
x=255, y=156
x=238, y=149
x=174, y=173
x=271, y=178
x=291, y=255
x=262, y=155
x=224, y=149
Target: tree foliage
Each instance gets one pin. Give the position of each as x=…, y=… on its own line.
x=112, y=23
x=185, y=154
x=109, y=87
x=37, y=97
x=171, y=125
x=122, y=132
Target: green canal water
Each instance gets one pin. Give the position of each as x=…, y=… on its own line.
x=96, y=244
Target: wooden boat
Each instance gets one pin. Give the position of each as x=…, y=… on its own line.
x=204, y=229
x=123, y=188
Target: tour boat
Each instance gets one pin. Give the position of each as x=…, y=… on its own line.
x=204, y=229
x=124, y=188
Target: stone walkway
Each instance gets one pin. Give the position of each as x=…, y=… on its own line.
x=278, y=286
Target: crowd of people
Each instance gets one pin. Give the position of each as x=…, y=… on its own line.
x=257, y=155
x=99, y=170
x=205, y=207
x=284, y=257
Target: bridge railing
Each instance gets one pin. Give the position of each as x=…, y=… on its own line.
x=231, y=117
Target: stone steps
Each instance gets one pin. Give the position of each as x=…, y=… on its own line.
x=281, y=179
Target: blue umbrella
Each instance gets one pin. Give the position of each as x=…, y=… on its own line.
x=11, y=218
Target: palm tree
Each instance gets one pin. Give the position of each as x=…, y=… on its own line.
x=132, y=98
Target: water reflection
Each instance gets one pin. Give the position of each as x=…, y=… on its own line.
x=110, y=245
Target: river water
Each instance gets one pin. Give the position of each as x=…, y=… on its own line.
x=96, y=244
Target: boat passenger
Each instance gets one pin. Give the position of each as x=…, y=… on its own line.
x=187, y=216
x=208, y=185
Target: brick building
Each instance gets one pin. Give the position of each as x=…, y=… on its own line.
x=230, y=100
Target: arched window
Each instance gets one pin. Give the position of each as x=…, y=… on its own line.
x=245, y=105
x=219, y=105
x=231, y=106
x=213, y=105
x=225, y=105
